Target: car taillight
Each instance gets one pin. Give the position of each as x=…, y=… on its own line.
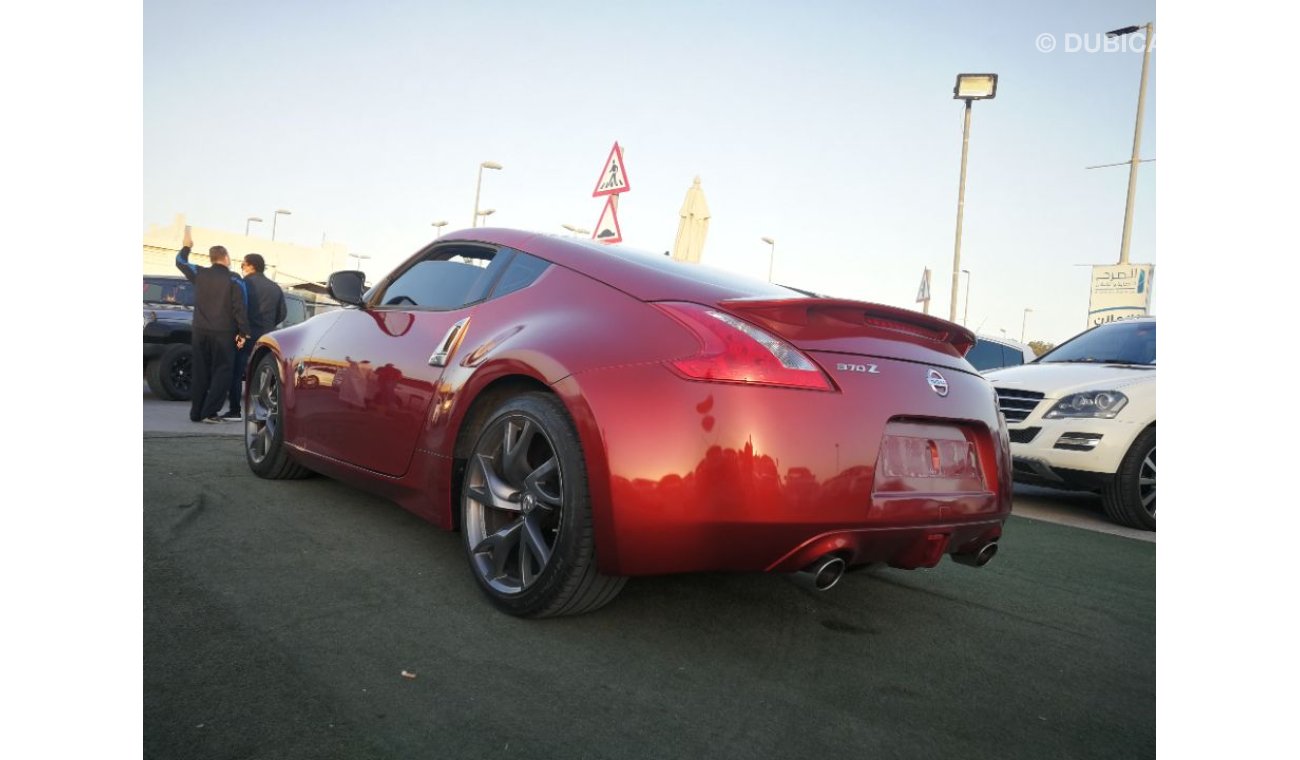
x=734, y=351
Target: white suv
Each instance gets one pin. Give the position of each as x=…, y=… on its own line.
x=1083, y=416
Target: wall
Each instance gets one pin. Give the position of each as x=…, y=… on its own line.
x=286, y=263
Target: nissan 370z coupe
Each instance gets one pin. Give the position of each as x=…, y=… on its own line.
x=584, y=413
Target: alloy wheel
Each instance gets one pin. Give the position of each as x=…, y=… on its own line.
x=180, y=372
x=262, y=422
x=514, y=498
x=1147, y=482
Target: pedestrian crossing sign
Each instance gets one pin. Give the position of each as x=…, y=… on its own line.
x=613, y=178
x=923, y=293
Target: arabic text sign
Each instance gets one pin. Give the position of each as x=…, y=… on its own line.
x=1120, y=291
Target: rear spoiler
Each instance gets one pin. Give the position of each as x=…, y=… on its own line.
x=820, y=318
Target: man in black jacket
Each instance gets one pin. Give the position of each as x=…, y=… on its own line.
x=266, y=309
x=220, y=327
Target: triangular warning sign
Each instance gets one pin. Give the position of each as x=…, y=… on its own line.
x=923, y=293
x=607, y=229
x=613, y=178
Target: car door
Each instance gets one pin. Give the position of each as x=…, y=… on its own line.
x=382, y=361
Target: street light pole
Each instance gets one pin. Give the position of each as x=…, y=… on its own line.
x=250, y=220
x=966, y=313
x=275, y=217
x=478, y=188
x=485, y=213
x=359, y=257
x=771, y=256
x=1137, y=137
x=961, y=210
x=969, y=87
x=1023, y=321
x=439, y=225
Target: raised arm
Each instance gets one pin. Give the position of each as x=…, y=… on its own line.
x=183, y=257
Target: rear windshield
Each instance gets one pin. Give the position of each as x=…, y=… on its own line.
x=168, y=290
x=664, y=264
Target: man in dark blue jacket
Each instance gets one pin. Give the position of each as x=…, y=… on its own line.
x=220, y=327
x=266, y=309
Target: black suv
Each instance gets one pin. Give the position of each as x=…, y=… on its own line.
x=168, y=315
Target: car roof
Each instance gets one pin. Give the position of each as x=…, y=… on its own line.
x=644, y=275
x=1003, y=341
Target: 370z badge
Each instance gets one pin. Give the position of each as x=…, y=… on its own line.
x=869, y=369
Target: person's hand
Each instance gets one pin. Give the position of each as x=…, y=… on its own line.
x=187, y=241
x=239, y=341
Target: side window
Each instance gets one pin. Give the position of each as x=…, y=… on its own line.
x=985, y=355
x=295, y=311
x=168, y=291
x=450, y=277
x=522, y=272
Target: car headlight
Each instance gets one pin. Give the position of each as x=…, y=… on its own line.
x=1103, y=404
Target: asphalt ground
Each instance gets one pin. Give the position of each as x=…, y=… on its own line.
x=279, y=618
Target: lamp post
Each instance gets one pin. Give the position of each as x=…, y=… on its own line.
x=577, y=231
x=275, y=217
x=250, y=220
x=485, y=213
x=359, y=257
x=479, y=187
x=1023, y=321
x=966, y=313
x=771, y=256
x=1137, y=134
x=439, y=225
x=969, y=87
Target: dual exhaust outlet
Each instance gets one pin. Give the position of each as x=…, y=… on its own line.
x=823, y=574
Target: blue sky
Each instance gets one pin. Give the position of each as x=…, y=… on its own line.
x=829, y=126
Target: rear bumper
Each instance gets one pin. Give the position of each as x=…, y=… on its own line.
x=691, y=476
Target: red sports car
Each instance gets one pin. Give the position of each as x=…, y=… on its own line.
x=585, y=413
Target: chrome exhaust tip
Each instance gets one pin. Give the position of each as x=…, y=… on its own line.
x=823, y=574
x=979, y=558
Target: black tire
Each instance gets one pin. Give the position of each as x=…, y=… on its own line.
x=526, y=513
x=264, y=447
x=170, y=376
x=1130, y=498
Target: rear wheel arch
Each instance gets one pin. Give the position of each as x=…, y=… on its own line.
x=525, y=509
x=481, y=406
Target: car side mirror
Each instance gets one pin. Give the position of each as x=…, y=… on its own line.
x=348, y=287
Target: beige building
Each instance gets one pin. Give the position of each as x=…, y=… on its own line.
x=292, y=266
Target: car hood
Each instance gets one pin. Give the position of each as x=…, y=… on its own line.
x=1056, y=379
